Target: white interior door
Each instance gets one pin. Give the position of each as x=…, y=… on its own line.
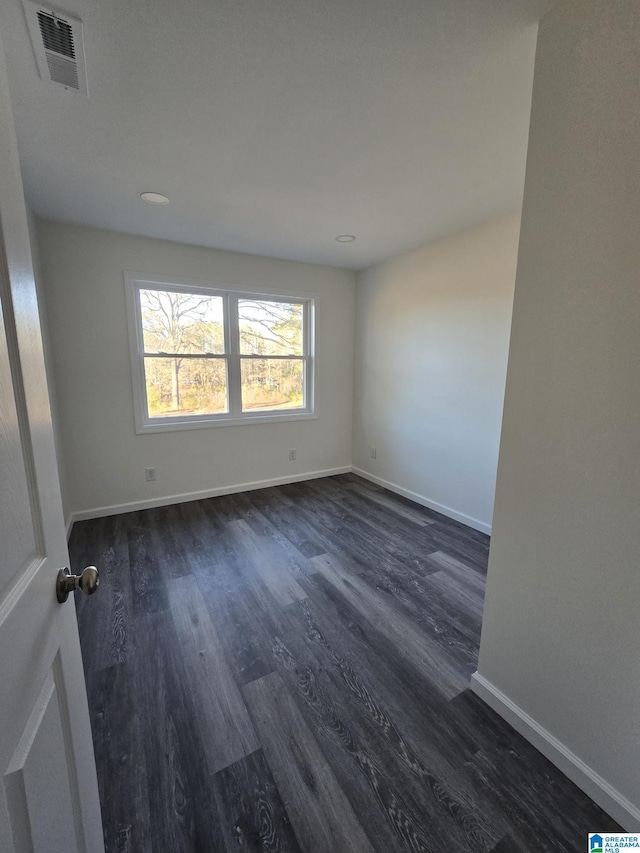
x=48, y=790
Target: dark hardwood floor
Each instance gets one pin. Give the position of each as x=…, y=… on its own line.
x=288, y=670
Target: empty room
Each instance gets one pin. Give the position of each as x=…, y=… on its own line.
x=319, y=426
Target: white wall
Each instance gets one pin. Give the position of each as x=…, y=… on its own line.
x=561, y=634
x=105, y=460
x=431, y=355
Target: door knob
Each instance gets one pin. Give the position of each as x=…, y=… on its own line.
x=66, y=582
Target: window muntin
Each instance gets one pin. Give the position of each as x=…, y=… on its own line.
x=204, y=357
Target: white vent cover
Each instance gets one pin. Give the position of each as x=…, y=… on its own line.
x=58, y=44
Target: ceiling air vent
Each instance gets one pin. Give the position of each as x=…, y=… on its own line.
x=58, y=44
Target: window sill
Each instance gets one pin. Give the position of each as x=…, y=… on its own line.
x=177, y=424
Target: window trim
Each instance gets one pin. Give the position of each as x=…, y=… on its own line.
x=230, y=294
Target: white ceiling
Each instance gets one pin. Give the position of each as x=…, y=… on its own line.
x=275, y=125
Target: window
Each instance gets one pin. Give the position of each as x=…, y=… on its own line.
x=206, y=357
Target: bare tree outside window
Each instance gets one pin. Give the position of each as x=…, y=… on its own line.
x=269, y=332
x=178, y=327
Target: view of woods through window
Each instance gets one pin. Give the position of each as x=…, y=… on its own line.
x=186, y=363
x=271, y=329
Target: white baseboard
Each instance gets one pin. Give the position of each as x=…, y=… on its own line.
x=600, y=791
x=167, y=500
x=420, y=499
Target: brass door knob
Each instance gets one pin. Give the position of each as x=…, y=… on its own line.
x=66, y=582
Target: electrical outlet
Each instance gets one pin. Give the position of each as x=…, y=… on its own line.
x=374, y=453
x=292, y=456
x=150, y=474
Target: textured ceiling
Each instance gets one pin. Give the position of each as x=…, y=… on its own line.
x=275, y=125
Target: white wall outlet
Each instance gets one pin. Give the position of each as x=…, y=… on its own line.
x=150, y=474
x=374, y=452
x=292, y=456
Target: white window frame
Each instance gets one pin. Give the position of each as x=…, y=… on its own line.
x=134, y=282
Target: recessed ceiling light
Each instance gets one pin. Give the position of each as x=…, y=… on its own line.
x=154, y=198
x=345, y=238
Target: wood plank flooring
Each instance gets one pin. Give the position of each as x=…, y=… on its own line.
x=288, y=670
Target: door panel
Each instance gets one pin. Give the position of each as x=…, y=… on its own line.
x=38, y=821
x=16, y=526
x=48, y=790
